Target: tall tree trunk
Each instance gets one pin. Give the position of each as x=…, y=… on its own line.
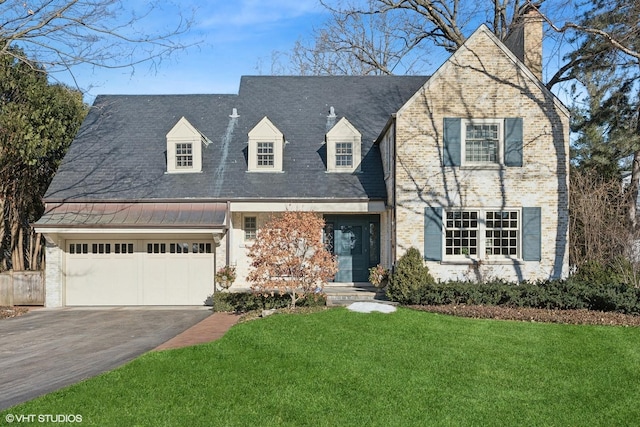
x=635, y=177
x=35, y=258
x=3, y=260
x=633, y=199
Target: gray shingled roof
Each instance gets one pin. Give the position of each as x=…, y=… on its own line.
x=120, y=151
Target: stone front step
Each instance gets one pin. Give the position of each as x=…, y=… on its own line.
x=345, y=295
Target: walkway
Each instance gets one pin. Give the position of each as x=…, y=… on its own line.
x=209, y=329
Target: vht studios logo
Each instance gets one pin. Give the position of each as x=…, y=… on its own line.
x=43, y=418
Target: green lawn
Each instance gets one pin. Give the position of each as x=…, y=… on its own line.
x=337, y=367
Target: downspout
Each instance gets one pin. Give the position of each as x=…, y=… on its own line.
x=392, y=148
x=228, y=239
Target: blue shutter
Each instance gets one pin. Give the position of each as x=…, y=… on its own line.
x=433, y=234
x=531, y=234
x=452, y=142
x=513, y=142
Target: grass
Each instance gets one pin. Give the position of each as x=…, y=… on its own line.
x=337, y=367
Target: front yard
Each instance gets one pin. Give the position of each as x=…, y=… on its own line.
x=336, y=367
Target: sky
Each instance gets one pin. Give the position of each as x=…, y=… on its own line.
x=231, y=39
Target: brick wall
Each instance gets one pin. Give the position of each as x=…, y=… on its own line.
x=482, y=81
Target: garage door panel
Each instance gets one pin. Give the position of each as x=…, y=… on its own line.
x=158, y=272
x=101, y=281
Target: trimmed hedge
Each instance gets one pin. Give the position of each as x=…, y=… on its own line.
x=593, y=287
x=552, y=294
x=246, y=301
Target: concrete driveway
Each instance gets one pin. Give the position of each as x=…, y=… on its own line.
x=48, y=349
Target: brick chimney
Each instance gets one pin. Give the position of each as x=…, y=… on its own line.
x=525, y=39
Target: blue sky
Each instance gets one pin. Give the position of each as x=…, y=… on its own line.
x=234, y=38
x=231, y=39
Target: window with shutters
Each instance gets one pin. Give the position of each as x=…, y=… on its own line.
x=483, y=142
x=494, y=233
x=489, y=234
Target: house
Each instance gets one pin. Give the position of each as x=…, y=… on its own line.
x=469, y=165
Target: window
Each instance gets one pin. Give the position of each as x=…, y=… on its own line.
x=78, y=248
x=461, y=233
x=266, y=148
x=481, y=143
x=123, y=248
x=184, y=148
x=178, y=248
x=184, y=155
x=101, y=248
x=265, y=154
x=156, y=248
x=250, y=228
x=502, y=233
x=201, y=248
x=474, y=232
x=344, y=147
x=344, y=154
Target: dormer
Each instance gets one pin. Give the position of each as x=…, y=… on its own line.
x=344, y=147
x=184, y=148
x=266, y=147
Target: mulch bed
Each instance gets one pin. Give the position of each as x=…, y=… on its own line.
x=8, y=312
x=576, y=317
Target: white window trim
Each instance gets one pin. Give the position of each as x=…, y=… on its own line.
x=482, y=238
x=463, y=143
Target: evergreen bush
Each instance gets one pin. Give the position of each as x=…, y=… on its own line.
x=410, y=279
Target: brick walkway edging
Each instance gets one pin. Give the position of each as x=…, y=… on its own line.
x=209, y=329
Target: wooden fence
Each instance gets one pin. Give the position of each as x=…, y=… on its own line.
x=22, y=288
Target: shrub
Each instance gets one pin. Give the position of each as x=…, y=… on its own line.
x=595, y=273
x=246, y=301
x=409, y=279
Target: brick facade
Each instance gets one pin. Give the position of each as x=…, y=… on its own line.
x=483, y=80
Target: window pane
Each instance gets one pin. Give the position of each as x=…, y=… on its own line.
x=265, y=154
x=481, y=143
x=502, y=234
x=328, y=237
x=344, y=154
x=184, y=155
x=250, y=227
x=461, y=233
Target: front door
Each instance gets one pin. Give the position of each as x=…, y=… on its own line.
x=354, y=240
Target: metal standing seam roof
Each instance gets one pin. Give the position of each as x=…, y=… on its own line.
x=122, y=215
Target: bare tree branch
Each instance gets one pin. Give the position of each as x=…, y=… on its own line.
x=102, y=33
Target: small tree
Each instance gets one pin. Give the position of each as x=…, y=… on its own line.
x=289, y=256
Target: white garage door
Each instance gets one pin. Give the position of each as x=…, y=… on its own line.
x=138, y=272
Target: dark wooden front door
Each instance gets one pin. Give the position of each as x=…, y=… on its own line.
x=355, y=241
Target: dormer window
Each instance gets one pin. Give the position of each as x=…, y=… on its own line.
x=184, y=155
x=266, y=147
x=343, y=147
x=265, y=154
x=344, y=155
x=184, y=148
